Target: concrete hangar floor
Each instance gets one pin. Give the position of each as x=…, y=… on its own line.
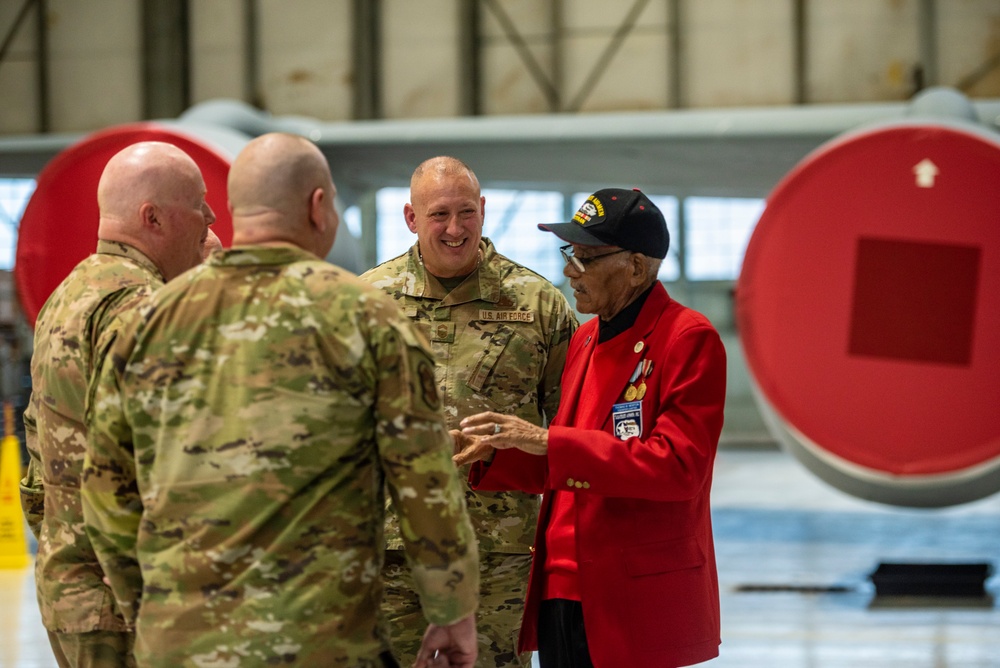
x=795, y=563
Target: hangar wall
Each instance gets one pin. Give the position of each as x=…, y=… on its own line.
x=517, y=56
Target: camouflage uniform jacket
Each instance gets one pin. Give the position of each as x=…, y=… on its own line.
x=243, y=431
x=71, y=595
x=500, y=340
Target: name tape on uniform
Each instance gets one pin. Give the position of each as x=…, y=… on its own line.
x=506, y=316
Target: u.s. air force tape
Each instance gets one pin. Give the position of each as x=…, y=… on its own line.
x=506, y=316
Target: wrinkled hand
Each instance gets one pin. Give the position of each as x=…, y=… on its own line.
x=506, y=431
x=452, y=646
x=469, y=449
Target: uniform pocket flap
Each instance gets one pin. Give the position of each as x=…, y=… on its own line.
x=662, y=557
x=489, y=357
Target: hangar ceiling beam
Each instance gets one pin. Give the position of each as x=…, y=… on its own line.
x=800, y=52
x=980, y=73
x=557, y=23
x=927, y=26
x=42, y=65
x=627, y=24
x=366, y=46
x=166, y=61
x=675, y=55
x=22, y=14
x=470, y=40
x=527, y=57
x=251, y=54
x=41, y=56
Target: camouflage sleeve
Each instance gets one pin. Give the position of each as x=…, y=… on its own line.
x=416, y=448
x=111, y=504
x=105, y=323
x=32, y=488
x=562, y=325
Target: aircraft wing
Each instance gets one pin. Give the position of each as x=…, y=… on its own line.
x=23, y=156
x=731, y=152
x=740, y=152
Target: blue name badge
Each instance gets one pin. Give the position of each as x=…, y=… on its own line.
x=627, y=419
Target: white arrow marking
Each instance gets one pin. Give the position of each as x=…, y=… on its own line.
x=926, y=172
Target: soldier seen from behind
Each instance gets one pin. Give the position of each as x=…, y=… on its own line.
x=244, y=433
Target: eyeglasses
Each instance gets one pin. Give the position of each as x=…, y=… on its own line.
x=580, y=263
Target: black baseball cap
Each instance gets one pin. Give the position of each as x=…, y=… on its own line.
x=616, y=217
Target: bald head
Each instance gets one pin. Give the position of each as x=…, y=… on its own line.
x=442, y=168
x=281, y=191
x=151, y=195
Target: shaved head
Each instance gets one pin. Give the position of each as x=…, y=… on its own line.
x=151, y=195
x=147, y=171
x=276, y=172
x=281, y=191
x=442, y=167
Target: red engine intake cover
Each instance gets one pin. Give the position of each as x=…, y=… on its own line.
x=869, y=310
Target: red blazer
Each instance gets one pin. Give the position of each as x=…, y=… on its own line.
x=646, y=558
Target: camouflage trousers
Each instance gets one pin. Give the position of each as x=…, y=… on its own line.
x=503, y=579
x=95, y=649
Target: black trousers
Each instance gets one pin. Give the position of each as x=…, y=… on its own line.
x=562, y=641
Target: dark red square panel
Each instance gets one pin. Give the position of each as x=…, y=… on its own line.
x=914, y=300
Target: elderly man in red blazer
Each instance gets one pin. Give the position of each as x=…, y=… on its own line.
x=624, y=569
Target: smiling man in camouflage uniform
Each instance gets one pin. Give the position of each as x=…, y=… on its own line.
x=499, y=333
x=153, y=223
x=243, y=434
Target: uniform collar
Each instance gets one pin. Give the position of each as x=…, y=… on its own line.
x=122, y=249
x=483, y=284
x=258, y=255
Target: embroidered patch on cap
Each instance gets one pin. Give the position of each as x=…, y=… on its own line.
x=589, y=209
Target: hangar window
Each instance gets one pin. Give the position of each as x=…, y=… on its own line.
x=352, y=218
x=717, y=230
x=14, y=194
x=391, y=235
x=512, y=218
x=714, y=238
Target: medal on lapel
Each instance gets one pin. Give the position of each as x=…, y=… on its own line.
x=631, y=391
x=647, y=367
x=637, y=381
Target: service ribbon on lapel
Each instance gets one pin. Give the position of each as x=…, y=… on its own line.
x=642, y=370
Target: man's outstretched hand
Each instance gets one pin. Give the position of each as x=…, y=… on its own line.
x=452, y=646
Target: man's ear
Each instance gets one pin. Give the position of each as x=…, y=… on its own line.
x=637, y=268
x=147, y=213
x=410, y=216
x=316, y=203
